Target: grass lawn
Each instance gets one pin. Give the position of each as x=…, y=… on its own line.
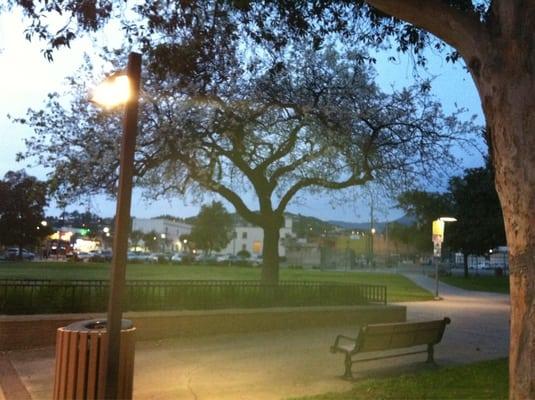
x=498, y=284
x=399, y=288
x=484, y=380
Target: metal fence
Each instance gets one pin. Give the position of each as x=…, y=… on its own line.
x=74, y=296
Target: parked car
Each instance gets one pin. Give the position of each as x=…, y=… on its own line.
x=206, y=259
x=223, y=258
x=82, y=256
x=179, y=258
x=160, y=258
x=257, y=260
x=12, y=253
x=101, y=256
x=138, y=257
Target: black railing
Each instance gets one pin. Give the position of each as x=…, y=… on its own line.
x=74, y=296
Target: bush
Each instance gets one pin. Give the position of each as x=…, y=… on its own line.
x=243, y=254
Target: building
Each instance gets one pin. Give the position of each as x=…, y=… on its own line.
x=499, y=257
x=171, y=230
x=251, y=238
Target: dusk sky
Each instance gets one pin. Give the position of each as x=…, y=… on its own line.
x=26, y=78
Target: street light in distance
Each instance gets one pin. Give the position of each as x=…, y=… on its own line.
x=438, y=238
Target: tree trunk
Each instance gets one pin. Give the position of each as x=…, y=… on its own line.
x=270, y=266
x=507, y=89
x=465, y=264
x=500, y=54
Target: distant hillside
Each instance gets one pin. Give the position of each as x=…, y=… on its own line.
x=304, y=225
x=380, y=226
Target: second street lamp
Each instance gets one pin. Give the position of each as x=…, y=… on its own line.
x=438, y=239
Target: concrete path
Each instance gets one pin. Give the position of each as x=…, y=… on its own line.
x=282, y=364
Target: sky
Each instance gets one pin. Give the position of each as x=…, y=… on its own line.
x=26, y=78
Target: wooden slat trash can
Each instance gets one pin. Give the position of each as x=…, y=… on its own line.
x=81, y=360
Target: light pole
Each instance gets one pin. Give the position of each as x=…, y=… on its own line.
x=120, y=89
x=438, y=239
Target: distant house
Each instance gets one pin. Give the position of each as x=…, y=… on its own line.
x=251, y=238
x=172, y=229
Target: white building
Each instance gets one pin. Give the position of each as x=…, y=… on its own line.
x=170, y=228
x=250, y=237
x=499, y=257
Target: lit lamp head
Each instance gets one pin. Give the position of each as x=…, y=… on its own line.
x=373, y=231
x=448, y=219
x=114, y=91
x=162, y=235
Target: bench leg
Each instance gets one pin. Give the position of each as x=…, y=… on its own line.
x=430, y=354
x=348, y=364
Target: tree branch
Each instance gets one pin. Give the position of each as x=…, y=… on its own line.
x=461, y=30
x=353, y=180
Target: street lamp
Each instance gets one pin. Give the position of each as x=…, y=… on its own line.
x=438, y=238
x=120, y=89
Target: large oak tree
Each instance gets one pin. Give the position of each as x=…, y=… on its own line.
x=315, y=123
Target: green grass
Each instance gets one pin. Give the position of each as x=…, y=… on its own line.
x=399, y=288
x=498, y=284
x=483, y=380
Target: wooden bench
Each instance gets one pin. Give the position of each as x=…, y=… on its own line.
x=383, y=337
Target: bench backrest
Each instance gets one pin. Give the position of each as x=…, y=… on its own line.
x=398, y=335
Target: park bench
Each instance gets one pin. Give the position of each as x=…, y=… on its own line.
x=392, y=336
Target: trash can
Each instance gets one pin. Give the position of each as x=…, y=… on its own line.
x=81, y=360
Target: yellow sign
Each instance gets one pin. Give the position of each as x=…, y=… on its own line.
x=438, y=231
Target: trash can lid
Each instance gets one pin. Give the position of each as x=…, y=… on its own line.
x=93, y=325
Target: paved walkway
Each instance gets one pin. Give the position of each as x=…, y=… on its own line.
x=282, y=364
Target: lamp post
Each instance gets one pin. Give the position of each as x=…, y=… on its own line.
x=120, y=89
x=438, y=238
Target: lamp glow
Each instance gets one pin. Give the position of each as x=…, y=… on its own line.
x=448, y=219
x=112, y=92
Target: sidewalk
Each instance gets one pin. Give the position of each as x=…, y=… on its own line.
x=282, y=364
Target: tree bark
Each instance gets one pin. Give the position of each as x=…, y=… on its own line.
x=500, y=54
x=509, y=103
x=270, y=266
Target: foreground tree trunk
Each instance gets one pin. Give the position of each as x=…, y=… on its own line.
x=509, y=104
x=270, y=266
x=500, y=54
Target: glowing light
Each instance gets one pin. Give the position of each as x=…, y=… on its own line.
x=106, y=230
x=112, y=92
x=44, y=223
x=448, y=219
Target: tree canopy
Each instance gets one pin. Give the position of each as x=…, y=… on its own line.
x=22, y=202
x=316, y=123
x=471, y=198
x=212, y=229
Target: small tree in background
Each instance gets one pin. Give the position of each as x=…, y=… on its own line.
x=150, y=240
x=212, y=229
x=479, y=225
x=135, y=237
x=22, y=202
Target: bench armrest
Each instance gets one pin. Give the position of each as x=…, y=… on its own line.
x=335, y=347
